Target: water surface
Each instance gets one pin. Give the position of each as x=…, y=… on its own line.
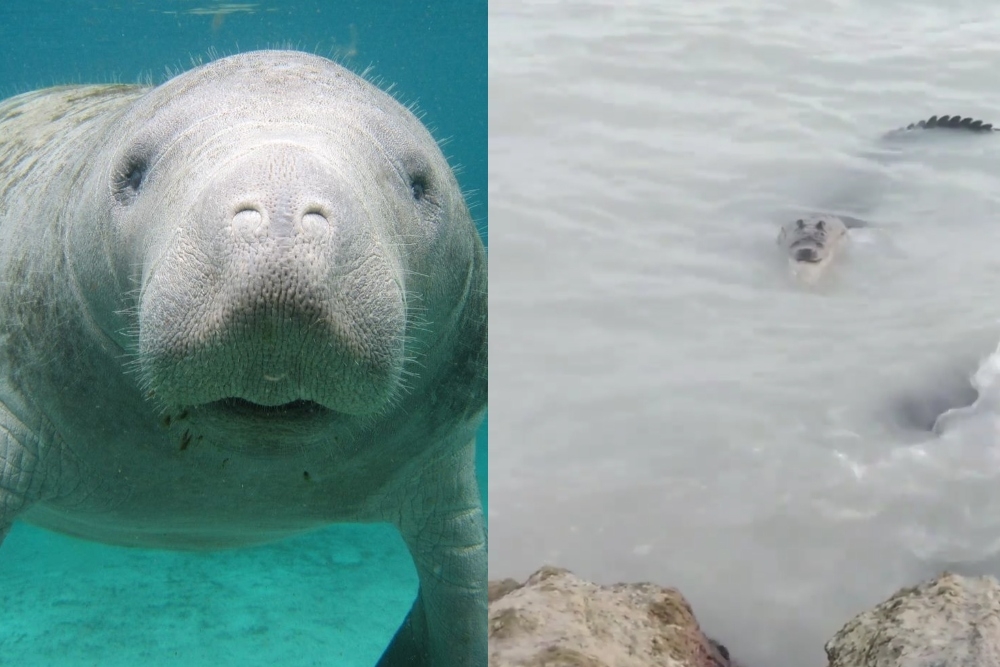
x=666, y=404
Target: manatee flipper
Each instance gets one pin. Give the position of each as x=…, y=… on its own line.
x=446, y=535
x=20, y=483
x=409, y=645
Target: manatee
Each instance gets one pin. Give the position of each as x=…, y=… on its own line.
x=242, y=305
x=810, y=242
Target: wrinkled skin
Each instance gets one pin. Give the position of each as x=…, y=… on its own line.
x=239, y=306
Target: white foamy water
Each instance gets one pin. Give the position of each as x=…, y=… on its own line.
x=666, y=405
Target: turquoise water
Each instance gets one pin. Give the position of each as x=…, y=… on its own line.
x=329, y=598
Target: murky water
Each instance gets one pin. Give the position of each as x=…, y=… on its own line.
x=666, y=404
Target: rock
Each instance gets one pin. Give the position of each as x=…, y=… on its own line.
x=948, y=621
x=498, y=589
x=556, y=619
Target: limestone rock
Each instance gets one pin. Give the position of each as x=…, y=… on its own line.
x=950, y=621
x=556, y=619
x=498, y=589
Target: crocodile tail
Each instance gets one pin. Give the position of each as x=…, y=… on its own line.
x=952, y=122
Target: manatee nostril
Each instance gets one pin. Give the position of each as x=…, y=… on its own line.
x=247, y=219
x=314, y=219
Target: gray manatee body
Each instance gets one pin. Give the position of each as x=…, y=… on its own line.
x=242, y=305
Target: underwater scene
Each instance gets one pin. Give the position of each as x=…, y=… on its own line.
x=106, y=581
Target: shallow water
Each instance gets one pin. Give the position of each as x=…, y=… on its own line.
x=667, y=405
x=332, y=597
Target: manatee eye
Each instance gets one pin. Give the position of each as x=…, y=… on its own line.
x=135, y=177
x=418, y=186
x=129, y=180
x=800, y=224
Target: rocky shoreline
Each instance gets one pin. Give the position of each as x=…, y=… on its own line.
x=556, y=619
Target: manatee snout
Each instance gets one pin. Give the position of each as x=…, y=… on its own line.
x=278, y=288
